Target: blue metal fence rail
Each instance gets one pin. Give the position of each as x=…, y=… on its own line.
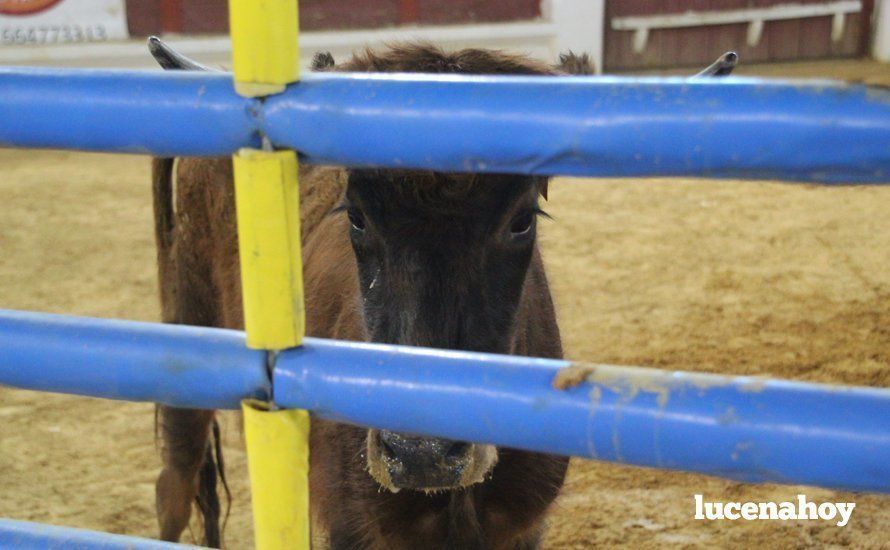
x=195, y=367
x=26, y=535
x=741, y=428
x=583, y=126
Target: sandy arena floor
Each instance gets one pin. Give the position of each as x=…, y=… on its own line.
x=725, y=276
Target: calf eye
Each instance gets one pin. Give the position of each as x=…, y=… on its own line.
x=356, y=219
x=522, y=224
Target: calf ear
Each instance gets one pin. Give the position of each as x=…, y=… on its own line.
x=322, y=61
x=170, y=59
x=572, y=63
x=722, y=67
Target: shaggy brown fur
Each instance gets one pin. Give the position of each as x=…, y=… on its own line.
x=200, y=285
x=422, y=57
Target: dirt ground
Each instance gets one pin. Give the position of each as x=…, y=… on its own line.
x=726, y=276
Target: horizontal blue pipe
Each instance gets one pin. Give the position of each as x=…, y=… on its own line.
x=175, y=365
x=26, y=535
x=589, y=126
x=583, y=126
x=742, y=428
x=166, y=114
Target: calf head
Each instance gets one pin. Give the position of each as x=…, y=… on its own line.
x=442, y=260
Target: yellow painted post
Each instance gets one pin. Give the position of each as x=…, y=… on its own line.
x=267, y=200
x=266, y=59
x=278, y=463
x=265, y=51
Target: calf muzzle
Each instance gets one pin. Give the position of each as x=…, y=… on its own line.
x=398, y=461
x=423, y=461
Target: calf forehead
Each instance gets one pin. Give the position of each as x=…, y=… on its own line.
x=430, y=195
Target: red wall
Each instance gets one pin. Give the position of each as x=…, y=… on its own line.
x=211, y=16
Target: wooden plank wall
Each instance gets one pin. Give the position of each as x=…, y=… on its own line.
x=692, y=47
x=211, y=16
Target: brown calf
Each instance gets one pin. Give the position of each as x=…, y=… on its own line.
x=406, y=257
x=395, y=256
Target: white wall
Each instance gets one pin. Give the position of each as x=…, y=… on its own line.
x=579, y=27
x=881, y=44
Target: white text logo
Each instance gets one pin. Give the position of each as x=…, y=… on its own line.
x=783, y=511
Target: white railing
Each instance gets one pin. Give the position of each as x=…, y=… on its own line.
x=754, y=17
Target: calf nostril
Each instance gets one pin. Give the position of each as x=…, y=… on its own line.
x=457, y=450
x=387, y=449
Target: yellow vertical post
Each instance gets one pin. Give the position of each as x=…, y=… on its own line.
x=266, y=59
x=267, y=200
x=278, y=464
x=265, y=51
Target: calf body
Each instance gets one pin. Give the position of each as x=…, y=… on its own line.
x=406, y=257
x=200, y=285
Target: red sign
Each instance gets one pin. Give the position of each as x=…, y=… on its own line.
x=25, y=7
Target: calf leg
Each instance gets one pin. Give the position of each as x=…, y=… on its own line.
x=185, y=439
x=186, y=267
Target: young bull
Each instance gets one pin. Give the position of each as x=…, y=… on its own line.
x=395, y=256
